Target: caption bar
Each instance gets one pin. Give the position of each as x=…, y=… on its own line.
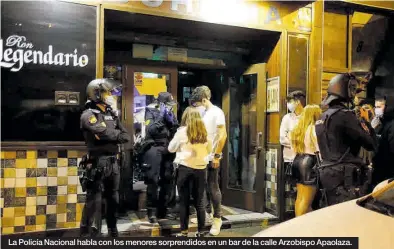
x=293, y=243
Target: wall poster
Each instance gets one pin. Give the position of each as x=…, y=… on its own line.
x=273, y=94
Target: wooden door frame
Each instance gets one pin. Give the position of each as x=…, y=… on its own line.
x=128, y=86
x=234, y=197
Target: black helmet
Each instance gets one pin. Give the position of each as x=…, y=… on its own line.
x=343, y=87
x=96, y=87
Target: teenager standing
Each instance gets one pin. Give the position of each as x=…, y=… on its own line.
x=215, y=124
x=192, y=149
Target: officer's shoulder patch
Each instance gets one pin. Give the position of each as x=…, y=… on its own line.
x=319, y=122
x=147, y=122
x=103, y=124
x=92, y=119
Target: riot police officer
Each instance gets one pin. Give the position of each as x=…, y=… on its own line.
x=160, y=124
x=103, y=132
x=343, y=174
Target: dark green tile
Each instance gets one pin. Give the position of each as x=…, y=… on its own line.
x=81, y=198
x=72, y=162
x=62, y=154
x=52, y=162
x=71, y=207
x=2, y=163
x=20, y=229
x=41, y=209
x=19, y=201
x=52, y=190
x=8, y=195
x=42, y=154
x=21, y=154
x=30, y=220
x=9, y=163
x=41, y=172
x=31, y=172
x=31, y=191
x=52, y=199
x=71, y=217
x=50, y=225
x=2, y=173
x=51, y=218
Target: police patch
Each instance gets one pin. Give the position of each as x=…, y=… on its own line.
x=92, y=119
x=108, y=118
x=318, y=122
x=147, y=122
x=103, y=124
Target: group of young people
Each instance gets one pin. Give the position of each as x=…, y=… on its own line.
x=198, y=144
x=329, y=156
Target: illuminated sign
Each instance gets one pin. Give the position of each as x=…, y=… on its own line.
x=21, y=52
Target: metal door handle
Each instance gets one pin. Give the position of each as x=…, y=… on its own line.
x=258, y=145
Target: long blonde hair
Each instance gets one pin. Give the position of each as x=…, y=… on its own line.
x=309, y=116
x=196, y=131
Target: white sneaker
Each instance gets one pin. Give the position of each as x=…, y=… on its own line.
x=208, y=219
x=216, y=226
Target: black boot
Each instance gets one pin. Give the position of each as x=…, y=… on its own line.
x=113, y=232
x=84, y=231
x=152, y=215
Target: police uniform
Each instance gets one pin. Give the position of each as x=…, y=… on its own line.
x=157, y=161
x=103, y=132
x=343, y=174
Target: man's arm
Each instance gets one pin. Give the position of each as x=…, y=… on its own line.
x=220, y=140
x=354, y=129
x=124, y=134
x=284, y=132
x=99, y=129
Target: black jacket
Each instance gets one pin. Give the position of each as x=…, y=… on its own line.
x=102, y=131
x=383, y=160
x=340, y=136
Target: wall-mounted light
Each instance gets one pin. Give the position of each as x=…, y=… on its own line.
x=66, y=98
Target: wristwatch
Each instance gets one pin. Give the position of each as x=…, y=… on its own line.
x=218, y=156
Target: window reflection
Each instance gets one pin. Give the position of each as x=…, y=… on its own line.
x=243, y=131
x=29, y=109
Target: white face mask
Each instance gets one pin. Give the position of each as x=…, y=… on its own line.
x=291, y=107
x=110, y=100
x=378, y=112
x=202, y=110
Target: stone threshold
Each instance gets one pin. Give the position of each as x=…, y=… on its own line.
x=165, y=228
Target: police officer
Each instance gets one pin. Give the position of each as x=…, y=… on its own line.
x=340, y=135
x=160, y=124
x=103, y=133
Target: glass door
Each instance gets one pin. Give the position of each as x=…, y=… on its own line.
x=243, y=167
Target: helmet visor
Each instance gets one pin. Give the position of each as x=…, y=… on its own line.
x=117, y=91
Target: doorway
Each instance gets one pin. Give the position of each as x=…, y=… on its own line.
x=214, y=55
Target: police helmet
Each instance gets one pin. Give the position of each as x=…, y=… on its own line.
x=343, y=87
x=97, y=87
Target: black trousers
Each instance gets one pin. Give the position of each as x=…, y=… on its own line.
x=191, y=182
x=106, y=176
x=158, y=175
x=341, y=183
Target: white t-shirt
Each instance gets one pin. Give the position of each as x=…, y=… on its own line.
x=288, y=123
x=213, y=117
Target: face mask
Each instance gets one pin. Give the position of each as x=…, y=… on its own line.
x=202, y=110
x=291, y=107
x=379, y=112
x=110, y=100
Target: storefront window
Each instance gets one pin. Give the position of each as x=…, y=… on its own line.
x=48, y=55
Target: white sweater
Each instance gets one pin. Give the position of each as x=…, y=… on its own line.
x=195, y=156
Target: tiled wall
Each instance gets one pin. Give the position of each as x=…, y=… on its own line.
x=40, y=190
x=271, y=182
